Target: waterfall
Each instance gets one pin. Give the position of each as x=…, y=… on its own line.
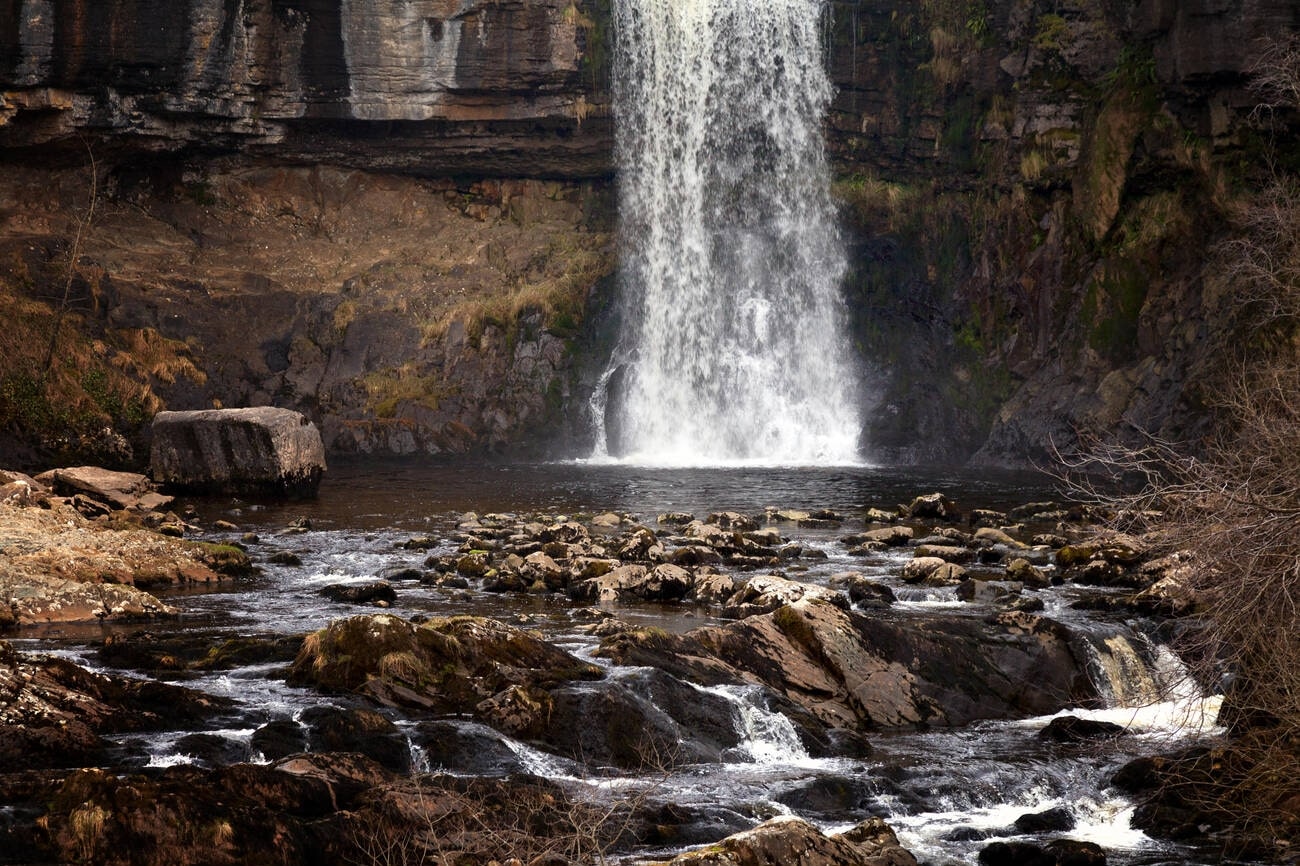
x=733, y=345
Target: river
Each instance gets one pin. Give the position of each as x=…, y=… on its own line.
x=946, y=792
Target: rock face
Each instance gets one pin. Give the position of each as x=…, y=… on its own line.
x=496, y=87
x=259, y=450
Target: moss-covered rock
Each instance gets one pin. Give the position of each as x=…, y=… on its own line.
x=446, y=665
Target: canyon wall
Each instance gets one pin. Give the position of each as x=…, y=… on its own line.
x=397, y=216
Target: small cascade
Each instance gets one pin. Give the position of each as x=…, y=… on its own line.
x=766, y=736
x=1125, y=676
x=734, y=328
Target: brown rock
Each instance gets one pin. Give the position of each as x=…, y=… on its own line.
x=791, y=841
x=444, y=665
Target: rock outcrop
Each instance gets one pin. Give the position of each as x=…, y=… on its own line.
x=853, y=672
x=260, y=450
x=56, y=566
x=488, y=87
x=56, y=714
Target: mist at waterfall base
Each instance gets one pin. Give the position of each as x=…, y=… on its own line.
x=733, y=349
x=947, y=792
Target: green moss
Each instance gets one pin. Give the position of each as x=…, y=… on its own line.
x=1053, y=34
x=224, y=558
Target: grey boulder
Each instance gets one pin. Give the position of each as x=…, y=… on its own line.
x=259, y=451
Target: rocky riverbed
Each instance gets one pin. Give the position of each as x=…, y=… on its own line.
x=563, y=686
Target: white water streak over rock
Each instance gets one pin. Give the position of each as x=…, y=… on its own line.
x=732, y=260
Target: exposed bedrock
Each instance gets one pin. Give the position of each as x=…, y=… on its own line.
x=861, y=673
x=486, y=87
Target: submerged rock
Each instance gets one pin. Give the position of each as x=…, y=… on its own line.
x=253, y=451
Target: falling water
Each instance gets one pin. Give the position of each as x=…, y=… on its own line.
x=734, y=347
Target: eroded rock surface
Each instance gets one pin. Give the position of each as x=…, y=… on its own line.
x=859, y=673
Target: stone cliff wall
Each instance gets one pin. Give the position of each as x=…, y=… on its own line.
x=1036, y=193
x=318, y=204
x=486, y=87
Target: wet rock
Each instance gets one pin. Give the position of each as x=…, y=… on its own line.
x=1056, y=820
x=946, y=552
x=400, y=572
x=55, y=713
x=360, y=593
x=636, y=582
x=1072, y=729
x=443, y=665
x=260, y=451
x=641, y=545
x=764, y=593
x=1035, y=511
x=989, y=536
x=279, y=739
x=188, y=816
x=1031, y=576
x=790, y=840
x=694, y=554
x=711, y=587
x=212, y=750
x=466, y=748
x=891, y=536
x=987, y=517
x=979, y=591
x=644, y=719
x=933, y=506
x=856, y=672
x=474, y=564
x=675, y=518
x=1060, y=852
x=732, y=521
x=932, y=571
x=864, y=592
x=877, y=515
x=366, y=732
x=285, y=557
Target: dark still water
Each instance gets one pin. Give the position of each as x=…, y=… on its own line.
x=407, y=494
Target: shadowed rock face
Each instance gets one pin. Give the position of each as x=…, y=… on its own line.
x=499, y=87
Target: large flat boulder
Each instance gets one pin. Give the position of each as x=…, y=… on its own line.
x=256, y=451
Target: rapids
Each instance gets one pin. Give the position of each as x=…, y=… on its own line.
x=946, y=792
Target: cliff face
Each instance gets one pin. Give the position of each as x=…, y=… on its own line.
x=484, y=87
x=1037, y=194
x=395, y=214
x=389, y=214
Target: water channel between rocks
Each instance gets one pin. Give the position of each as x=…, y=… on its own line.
x=947, y=792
